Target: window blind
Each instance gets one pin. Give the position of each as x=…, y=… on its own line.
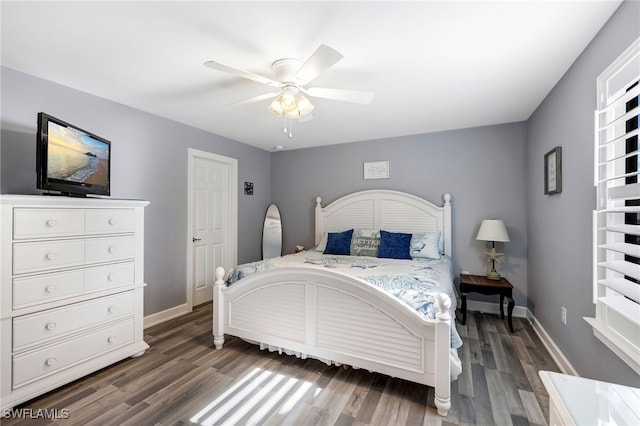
x=617, y=216
x=618, y=196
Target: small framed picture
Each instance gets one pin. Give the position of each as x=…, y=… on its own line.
x=553, y=171
x=376, y=170
x=248, y=188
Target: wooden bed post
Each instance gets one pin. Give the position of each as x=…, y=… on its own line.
x=218, y=308
x=442, y=397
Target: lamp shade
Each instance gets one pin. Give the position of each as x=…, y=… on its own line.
x=275, y=106
x=291, y=103
x=493, y=230
x=304, y=105
x=288, y=102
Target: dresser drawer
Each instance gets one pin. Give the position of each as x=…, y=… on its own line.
x=109, y=249
x=30, y=257
x=109, y=276
x=48, y=360
x=110, y=220
x=36, y=223
x=46, y=325
x=47, y=288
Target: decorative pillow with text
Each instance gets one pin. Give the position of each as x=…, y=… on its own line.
x=365, y=242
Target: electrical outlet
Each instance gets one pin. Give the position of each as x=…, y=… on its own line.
x=564, y=315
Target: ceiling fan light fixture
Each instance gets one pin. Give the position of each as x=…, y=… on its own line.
x=291, y=103
x=288, y=102
x=276, y=106
x=304, y=105
x=293, y=114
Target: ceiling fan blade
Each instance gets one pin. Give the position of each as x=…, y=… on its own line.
x=254, y=99
x=322, y=58
x=241, y=73
x=353, y=96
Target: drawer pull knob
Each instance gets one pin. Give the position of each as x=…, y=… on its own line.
x=113, y=249
x=51, y=223
x=112, y=221
x=51, y=255
x=112, y=277
x=111, y=339
x=50, y=361
x=50, y=325
x=112, y=309
x=51, y=288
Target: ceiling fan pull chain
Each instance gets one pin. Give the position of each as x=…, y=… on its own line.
x=290, y=127
x=285, y=124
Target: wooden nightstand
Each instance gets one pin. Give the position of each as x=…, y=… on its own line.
x=483, y=285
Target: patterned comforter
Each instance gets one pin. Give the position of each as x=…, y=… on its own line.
x=415, y=282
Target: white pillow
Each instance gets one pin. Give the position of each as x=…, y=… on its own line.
x=425, y=245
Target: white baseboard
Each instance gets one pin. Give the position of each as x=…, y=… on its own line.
x=522, y=312
x=556, y=353
x=166, y=315
x=494, y=308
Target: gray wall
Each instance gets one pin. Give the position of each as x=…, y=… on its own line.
x=482, y=168
x=559, y=226
x=149, y=161
x=491, y=172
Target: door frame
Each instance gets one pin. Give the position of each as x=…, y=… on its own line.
x=232, y=244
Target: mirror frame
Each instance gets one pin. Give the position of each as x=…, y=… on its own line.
x=272, y=233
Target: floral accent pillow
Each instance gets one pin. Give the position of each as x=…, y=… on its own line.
x=425, y=245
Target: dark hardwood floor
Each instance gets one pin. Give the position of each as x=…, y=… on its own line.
x=182, y=380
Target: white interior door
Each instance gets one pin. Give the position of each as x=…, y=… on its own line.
x=212, y=219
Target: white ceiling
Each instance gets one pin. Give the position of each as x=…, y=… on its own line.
x=432, y=65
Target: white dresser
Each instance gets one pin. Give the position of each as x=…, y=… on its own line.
x=71, y=290
x=579, y=401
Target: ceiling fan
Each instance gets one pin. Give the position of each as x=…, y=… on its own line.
x=291, y=77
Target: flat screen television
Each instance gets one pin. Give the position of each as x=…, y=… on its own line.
x=71, y=160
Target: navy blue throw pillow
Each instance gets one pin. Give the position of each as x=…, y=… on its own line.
x=394, y=245
x=339, y=242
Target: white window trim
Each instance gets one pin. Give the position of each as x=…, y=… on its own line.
x=617, y=318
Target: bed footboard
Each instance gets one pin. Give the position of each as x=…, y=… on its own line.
x=336, y=318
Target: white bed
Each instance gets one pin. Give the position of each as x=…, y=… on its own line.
x=325, y=314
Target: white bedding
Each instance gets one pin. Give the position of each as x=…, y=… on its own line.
x=415, y=282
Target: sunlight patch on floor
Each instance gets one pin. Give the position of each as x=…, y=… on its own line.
x=260, y=391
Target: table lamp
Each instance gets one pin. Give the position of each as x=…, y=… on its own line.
x=493, y=230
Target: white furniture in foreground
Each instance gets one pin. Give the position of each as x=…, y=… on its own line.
x=578, y=401
x=337, y=318
x=71, y=290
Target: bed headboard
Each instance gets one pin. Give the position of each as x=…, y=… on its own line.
x=392, y=211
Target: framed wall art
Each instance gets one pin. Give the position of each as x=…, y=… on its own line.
x=248, y=188
x=376, y=170
x=553, y=171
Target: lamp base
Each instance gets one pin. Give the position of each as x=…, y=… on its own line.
x=494, y=275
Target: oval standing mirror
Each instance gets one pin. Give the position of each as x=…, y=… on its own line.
x=272, y=233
